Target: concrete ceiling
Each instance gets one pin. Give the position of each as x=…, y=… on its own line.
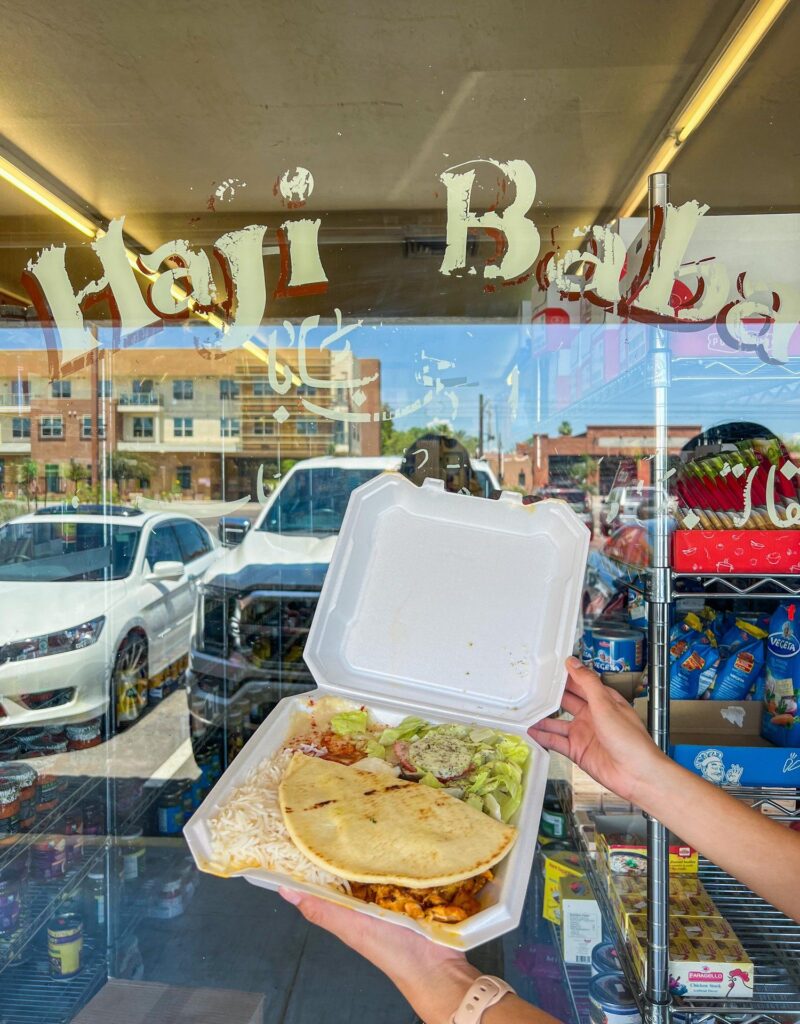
x=144, y=109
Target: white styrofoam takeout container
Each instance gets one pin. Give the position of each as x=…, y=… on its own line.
x=450, y=608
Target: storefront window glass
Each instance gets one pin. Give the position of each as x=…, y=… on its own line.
x=524, y=261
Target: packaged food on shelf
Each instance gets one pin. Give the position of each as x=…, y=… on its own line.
x=679, y=885
x=26, y=777
x=702, y=968
x=622, y=846
x=556, y=866
x=50, y=789
x=694, y=672
x=170, y=811
x=605, y=959
x=722, y=742
x=49, y=858
x=10, y=749
x=84, y=735
x=618, y=649
x=9, y=807
x=581, y=920
x=65, y=945
x=781, y=718
x=611, y=1001
x=741, y=668
x=359, y=660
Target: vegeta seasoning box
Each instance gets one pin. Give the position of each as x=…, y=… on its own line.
x=780, y=723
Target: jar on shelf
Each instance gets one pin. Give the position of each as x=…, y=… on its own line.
x=71, y=826
x=94, y=904
x=47, y=746
x=94, y=819
x=65, y=945
x=49, y=791
x=49, y=858
x=84, y=735
x=210, y=764
x=132, y=855
x=9, y=808
x=170, y=816
x=26, y=777
x=166, y=900
x=197, y=717
x=10, y=749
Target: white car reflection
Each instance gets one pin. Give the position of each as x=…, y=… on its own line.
x=95, y=602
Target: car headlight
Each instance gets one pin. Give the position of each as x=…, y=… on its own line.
x=72, y=639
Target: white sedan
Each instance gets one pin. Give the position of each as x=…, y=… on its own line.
x=95, y=602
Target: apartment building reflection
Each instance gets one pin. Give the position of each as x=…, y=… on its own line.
x=187, y=422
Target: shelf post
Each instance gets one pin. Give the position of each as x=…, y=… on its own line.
x=659, y=594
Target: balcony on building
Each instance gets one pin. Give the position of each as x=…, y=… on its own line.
x=135, y=401
x=14, y=400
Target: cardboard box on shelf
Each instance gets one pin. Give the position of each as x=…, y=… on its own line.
x=141, y=1002
x=721, y=741
x=702, y=967
x=557, y=865
x=622, y=846
x=679, y=885
x=629, y=684
x=581, y=920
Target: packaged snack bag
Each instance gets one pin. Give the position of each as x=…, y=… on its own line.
x=682, y=634
x=780, y=722
x=741, y=668
x=693, y=672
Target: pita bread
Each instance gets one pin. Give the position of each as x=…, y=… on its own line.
x=376, y=828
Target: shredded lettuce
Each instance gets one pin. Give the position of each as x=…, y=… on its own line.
x=374, y=749
x=409, y=728
x=348, y=722
x=513, y=749
x=430, y=780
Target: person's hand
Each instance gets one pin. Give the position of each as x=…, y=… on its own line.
x=605, y=737
x=402, y=954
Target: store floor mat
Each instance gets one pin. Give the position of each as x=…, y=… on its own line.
x=140, y=1002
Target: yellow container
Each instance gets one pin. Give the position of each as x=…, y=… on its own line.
x=65, y=945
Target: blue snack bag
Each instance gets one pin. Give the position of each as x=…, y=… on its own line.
x=741, y=669
x=780, y=721
x=693, y=672
x=682, y=635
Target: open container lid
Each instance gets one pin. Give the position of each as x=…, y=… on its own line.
x=443, y=603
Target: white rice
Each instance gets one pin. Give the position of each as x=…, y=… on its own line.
x=248, y=830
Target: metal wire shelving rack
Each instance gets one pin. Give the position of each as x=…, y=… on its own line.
x=770, y=938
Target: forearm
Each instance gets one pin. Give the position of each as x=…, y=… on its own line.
x=436, y=994
x=762, y=854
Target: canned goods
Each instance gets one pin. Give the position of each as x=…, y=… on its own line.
x=617, y=649
x=65, y=945
x=587, y=647
x=605, y=959
x=611, y=1001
